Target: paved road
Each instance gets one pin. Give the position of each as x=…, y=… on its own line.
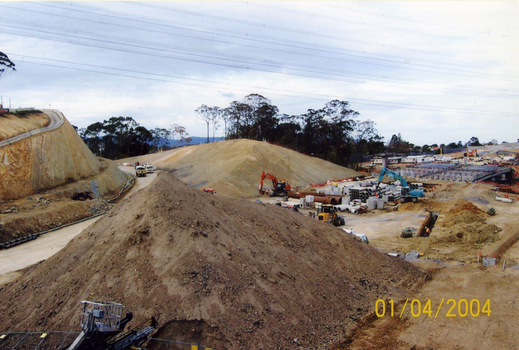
x=56, y=120
x=45, y=246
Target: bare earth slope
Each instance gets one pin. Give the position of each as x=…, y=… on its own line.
x=234, y=167
x=229, y=273
x=11, y=125
x=45, y=161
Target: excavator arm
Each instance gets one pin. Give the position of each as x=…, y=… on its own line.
x=264, y=176
x=393, y=175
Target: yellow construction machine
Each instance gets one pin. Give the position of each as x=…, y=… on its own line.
x=328, y=213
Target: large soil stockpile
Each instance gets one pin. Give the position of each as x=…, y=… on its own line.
x=234, y=167
x=232, y=274
x=48, y=160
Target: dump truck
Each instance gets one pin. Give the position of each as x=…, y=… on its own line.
x=140, y=170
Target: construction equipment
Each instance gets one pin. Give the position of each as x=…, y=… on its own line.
x=491, y=211
x=408, y=232
x=140, y=170
x=406, y=193
x=328, y=213
x=280, y=188
x=102, y=328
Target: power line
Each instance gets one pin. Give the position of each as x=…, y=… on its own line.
x=162, y=48
x=279, y=92
x=506, y=78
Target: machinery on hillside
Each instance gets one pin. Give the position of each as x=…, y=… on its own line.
x=102, y=328
x=328, y=213
x=406, y=193
x=280, y=188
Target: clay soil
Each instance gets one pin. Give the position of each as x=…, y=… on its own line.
x=50, y=209
x=240, y=274
x=12, y=125
x=234, y=167
x=450, y=254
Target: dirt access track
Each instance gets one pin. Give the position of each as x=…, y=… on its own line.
x=42, y=170
x=248, y=275
x=242, y=274
x=450, y=254
x=234, y=167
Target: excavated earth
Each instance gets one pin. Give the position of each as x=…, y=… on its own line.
x=228, y=273
x=40, y=175
x=234, y=167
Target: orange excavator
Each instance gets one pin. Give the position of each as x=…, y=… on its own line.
x=280, y=188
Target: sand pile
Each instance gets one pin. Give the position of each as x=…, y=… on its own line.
x=229, y=273
x=234, y=167
x=465, y=223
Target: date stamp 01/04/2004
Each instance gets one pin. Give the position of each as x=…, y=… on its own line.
x=451, y=308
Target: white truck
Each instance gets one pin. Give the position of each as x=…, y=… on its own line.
x=140, y=170
x=150, y=168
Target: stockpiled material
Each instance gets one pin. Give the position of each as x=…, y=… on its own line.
x=231, y=274
x=234, y=167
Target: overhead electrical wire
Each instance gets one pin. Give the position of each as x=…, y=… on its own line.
x=506, y=78
x=314, y=34
x=279, y=92
x=239, y=59
x=161, y=48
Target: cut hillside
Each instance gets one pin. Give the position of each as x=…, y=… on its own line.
x=230, y=273
x=234, y=167
x=12, y=125
x=48, y=160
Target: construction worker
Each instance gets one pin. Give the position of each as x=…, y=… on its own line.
x=428, y=231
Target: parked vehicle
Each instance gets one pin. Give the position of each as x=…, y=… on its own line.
x=280, y=188
x=328, y=213
x=140, y=170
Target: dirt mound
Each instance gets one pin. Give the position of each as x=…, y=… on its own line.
x=234, y=167
x=465, y=223
x=461, y=205
x=240, y=274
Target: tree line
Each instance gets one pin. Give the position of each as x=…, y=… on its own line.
x=122, y=137
x=333, y=132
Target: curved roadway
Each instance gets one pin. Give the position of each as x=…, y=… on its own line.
x=56, y=120
x=29, y=253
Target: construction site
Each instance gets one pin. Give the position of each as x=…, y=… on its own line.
x=242, y=244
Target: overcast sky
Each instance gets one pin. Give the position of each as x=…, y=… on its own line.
x=435, y=71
